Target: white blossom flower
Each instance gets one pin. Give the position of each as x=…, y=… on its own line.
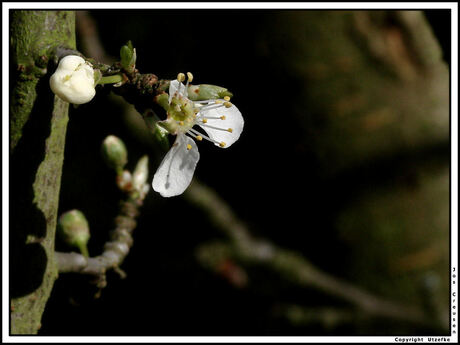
x=220, y=120
x=73, y=80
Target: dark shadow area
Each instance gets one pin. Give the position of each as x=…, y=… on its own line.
x=28, y=260
x=440, y=21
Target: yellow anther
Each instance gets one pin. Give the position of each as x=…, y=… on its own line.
x=222, y=144
x=67, y=77
x=223, y=117
x=230, y=130
x=199, y=137
x=190, y=77
x=227, y=104
x=226, y=98
x=181, y=77
x=181, y=123
x=218, y=101
x=189, y=147
x=204, y=120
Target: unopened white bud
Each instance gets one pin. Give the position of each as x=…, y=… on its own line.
x=73, y=80
x=141, y=173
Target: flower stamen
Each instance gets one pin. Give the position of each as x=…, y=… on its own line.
x=190, y=77
x=180, y=77
x=189, y=80
x=218, y=128
x=213, y=117
x=210, y=106
x=199, y=136
x=207, y=101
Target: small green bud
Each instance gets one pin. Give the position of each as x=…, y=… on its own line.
x=114, y=153
x=205, y=91
x=74, y=230
x=128, y=57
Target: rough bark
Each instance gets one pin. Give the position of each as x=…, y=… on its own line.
x=38, y=122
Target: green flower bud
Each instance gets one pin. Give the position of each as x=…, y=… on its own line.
x=74, y=230
x=114, y=153
x=128, y=57
x=205, y=91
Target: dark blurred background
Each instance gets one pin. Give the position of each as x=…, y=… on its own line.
x=344, y=159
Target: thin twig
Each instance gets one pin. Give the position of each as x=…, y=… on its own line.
x=291, y=265
x=115, y=251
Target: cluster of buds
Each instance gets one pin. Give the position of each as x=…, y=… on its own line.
x=73, y=228
x=115, y=155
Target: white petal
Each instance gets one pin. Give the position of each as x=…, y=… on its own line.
x=176, y=170
x=70, y=62
x=73, y=86
x=233, y=120
x=174, y=86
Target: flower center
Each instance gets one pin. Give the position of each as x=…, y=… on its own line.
x=185, y=113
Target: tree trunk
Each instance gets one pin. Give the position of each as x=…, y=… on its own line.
x=38, y=122
x=372, y=84
x=373, y=95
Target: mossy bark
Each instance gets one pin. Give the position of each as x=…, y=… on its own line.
x=38, y=122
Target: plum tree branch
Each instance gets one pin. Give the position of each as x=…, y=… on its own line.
x=290, y=265
x=121, y=240
x=115, y=250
